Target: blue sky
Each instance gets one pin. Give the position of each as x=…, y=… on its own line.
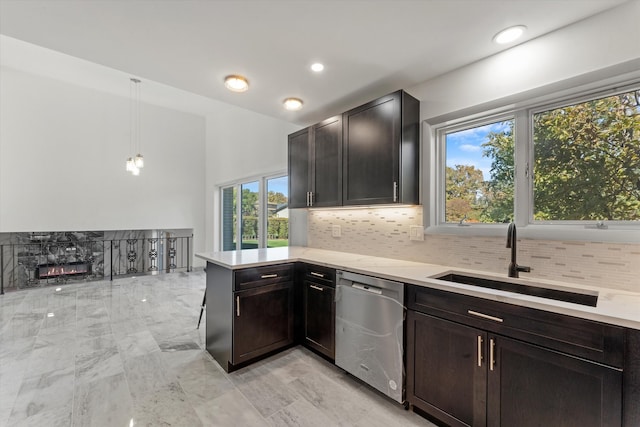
x=465, y=147
x=279, y=185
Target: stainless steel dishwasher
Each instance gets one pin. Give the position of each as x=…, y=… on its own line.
x=369, y=331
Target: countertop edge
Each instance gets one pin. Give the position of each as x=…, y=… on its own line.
x=375, y=266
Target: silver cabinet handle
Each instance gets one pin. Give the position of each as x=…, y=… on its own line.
x=485, y=316
x=237, y=306
x=395, y=191
x=317, y=288
x=479, y=350
x=268, y=276
x=313, y=273
x=311, y=198
x=492, y=360
x=307, y=198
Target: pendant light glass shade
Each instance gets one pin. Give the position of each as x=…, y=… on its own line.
x=139, y=161
x=134, y=164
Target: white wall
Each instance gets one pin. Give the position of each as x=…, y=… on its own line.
x=62, y=154
x=240, y=144
x=605, y=45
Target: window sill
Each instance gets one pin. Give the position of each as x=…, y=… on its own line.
x=613, y=234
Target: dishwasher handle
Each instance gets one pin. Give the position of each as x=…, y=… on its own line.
x=367, y=288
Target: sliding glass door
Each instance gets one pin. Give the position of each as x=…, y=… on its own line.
x=262, y=206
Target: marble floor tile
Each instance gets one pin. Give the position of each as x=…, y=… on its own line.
x=202, y=379
x=51, y=358
x=93, y=365
x=146, y=374
x=137, y=344
x=60, y=319
x=167, y=405
x=341, y=405
x=123, y=328
x=105, y=402
x=90, y=345
x=23, y=325
x=264, y=390
x=63, y=338
x=46, y=393
x=230, y=409
x=300, y=413
x=108, y=359
x=57, y=417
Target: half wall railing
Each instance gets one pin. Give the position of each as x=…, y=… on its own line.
x=28, y=265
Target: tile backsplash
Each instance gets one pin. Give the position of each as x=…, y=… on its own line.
x=384, y=232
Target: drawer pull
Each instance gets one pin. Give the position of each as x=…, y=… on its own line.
x=479, y=351
x=313, y=273
x=238, y=306
x=317, y=288
x=485, y=316
x=268, y=276
x=492, y=360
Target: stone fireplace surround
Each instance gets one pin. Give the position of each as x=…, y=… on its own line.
x=33, y=259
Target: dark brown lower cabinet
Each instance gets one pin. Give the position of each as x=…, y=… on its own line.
x=466, y=376
x=530, y=386
x=263, y=320
x=444, y=378
x=319, y=317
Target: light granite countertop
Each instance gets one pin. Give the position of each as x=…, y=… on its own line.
x=616, y=307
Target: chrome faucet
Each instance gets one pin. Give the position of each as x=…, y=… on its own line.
x=514, y=268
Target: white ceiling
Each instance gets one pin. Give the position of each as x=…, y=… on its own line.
x=369, y=47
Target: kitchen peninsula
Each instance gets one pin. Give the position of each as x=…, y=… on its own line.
x=610, y=330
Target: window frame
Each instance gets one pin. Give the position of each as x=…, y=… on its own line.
x=441, y=152
x=262, y=207
x=613, y=231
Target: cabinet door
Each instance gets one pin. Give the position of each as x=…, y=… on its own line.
x=299, y=168
x=263, y=320
x=319, y=317
x=446, y=370
x=532, y=386
x=327, y=172
x=371, y=152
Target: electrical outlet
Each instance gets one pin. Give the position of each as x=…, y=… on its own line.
x=336, y=231
x=416, y=232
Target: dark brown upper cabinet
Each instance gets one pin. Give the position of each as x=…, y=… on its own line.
x=381, y=152
x=315, y=165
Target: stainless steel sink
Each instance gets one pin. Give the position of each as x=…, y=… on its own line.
x=583, y=297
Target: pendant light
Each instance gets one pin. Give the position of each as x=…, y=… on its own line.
x=134, y=164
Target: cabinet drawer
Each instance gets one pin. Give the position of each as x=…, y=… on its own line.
x=250, y=278
x=580, y=337
x=319, y=274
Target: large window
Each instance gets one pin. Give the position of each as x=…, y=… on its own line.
x=572, y=162
x=262, y=206
x=587, y=160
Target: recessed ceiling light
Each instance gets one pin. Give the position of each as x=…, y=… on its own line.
x=292, y=104
x=509, y=34
x=50, y=314
x=317, y=67
x=236, y=83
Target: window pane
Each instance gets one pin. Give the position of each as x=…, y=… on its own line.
x=278, y=212
x=479, y=174
x=587, y=160
x=229, y=220
x=250, y=225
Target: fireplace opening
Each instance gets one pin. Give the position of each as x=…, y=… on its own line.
x=45, y=271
